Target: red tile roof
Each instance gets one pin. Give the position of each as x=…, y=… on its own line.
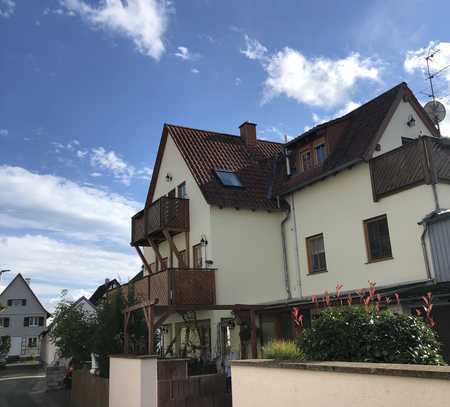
x=207, y=151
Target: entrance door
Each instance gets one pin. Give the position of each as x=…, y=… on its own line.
x=16, y=346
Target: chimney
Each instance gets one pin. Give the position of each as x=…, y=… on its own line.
x=107, y=281
x=248, y=133
x=28, y=280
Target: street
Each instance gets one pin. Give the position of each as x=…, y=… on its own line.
x=21, y=387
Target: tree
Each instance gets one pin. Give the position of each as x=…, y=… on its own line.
x=73, y=331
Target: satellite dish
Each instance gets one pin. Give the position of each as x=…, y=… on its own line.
x=436, y=111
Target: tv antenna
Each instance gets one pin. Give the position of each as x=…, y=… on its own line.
x=435, y=110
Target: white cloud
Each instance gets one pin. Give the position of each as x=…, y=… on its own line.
x=54, y=265
x=183, y=53
x=320, y=82
x=109, y=160
x=59, y=206
x=143, y=21
x=415, y=62
x=4, y=132
x=254, y=49
x=7, y=8
x=195, y=71
x=237, y=81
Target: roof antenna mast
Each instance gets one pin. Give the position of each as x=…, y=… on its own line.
x=435, y=109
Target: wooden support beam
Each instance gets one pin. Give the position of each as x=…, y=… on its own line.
x=142, y=304
x=155, y=248
x=151, y=331
x=174, y=249
x=254, y=344
x=188, y=249
x=162, y=319
x=143, y=259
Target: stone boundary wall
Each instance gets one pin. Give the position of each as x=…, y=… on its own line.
x=321, y=384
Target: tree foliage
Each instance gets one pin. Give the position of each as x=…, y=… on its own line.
x=357, y=335
x=73, y=331
x=5, y=345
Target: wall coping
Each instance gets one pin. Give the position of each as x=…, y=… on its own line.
x=386, y=369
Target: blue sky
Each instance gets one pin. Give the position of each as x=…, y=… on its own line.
x=85, y=87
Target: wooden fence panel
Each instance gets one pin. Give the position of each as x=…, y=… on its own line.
x=89, y=390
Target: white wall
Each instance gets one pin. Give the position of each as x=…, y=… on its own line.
x=246, y=249
x=397, y=128
x=199, y=211
x=337, y=207
x=293, y=387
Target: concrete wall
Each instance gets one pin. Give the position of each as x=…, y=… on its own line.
x=340, y=384
x=337, y=208
x=133, y=382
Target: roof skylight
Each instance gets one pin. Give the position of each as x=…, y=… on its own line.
x=228, y=178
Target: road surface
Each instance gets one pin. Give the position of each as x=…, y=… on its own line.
x=21, y=387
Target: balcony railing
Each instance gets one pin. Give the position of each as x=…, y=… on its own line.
x=171, y=214
x=175, y=286
x=422, y=161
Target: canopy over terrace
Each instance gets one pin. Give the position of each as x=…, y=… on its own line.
x=151, y=308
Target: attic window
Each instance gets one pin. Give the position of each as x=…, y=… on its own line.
x=228, y=178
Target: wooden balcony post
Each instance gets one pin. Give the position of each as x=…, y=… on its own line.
x=173, y=248
x=125, y=331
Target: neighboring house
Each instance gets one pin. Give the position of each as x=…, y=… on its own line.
x=101, y=291
x=49, y=351
x=23, y=319
x=238, y=220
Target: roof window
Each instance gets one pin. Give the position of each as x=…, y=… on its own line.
x=228, y=178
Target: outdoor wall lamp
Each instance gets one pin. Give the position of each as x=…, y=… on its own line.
x=411, y=121
x=168, y=177
x=203, y=241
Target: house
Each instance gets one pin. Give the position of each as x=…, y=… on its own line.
x=23, y=319
x=101, y=291
x=49, y=354
x=238, y=230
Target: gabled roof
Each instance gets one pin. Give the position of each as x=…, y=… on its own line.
x=101, y=290
x=20, y=277
x=354, y=136
x=206, y=151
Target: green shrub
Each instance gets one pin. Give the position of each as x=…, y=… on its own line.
x=282, y=350
x=355, y=335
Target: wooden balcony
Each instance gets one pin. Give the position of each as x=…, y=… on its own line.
x=175, y=286
x=169, y=214
x=422, y=161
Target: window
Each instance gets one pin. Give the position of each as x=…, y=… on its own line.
x=32, y=342
x=316, y=254
x=182, y=193
x=4, y=322
x=305, y=160
x=378, y=242
x=228, y=178
x=320, y=153
x=198, y=261
x=172, y=193
x=17, y=302
x=33, y=321
x=153, y=267
x=164, y=263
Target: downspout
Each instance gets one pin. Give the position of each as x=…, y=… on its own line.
x=297, y=252
x=285, y=260
x=431, y=171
